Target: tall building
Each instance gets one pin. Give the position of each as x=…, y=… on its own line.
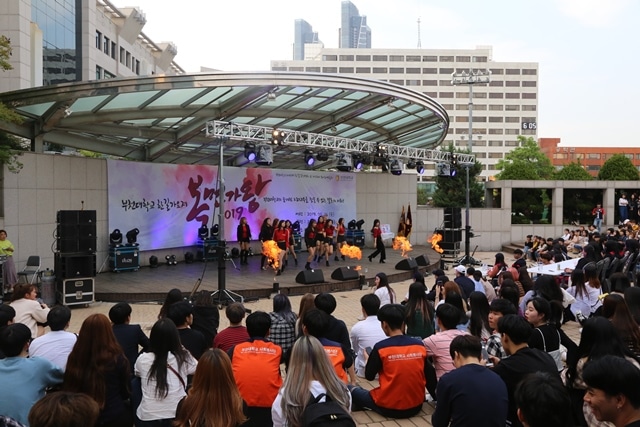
x=78, y=40
x=502, y=110
x=303, y=36
x=354, y=32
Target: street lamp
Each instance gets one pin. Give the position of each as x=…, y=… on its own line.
x=470, y=78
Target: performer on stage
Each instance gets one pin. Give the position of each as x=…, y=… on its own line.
x=244, y=237
x=320, y=235
x=377, y=241
x=310, y=242
x=266, y=233
x=341, y=237
x=281, y=236
x=9, y=275
x=292, y=243
x=329, y=231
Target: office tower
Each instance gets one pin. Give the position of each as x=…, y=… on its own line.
x=354, y=32
x=304, y=35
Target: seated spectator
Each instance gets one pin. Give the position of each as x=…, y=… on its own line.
x=615, y=309
x=545, y=336
x=587, y=294
x=525, y=280
x=619, y=282
x=367, y=332
x=402, y=365
x=471, y=392
x=24, y=379
x=489, y=291
x=64, y=408
x=28, y=310
x=498, y=308
x=613, y=393
x=420, y=313
x=498, y=266
x=466, y=285
x=519, y=262
x=256, y=369
x=438, y=344
x=479, y=316
x=337, y=331
x=174, y=295
x=542, y=401
x=235, y=333
x=516, y=332
x=181, y=313
x=383, y=291
x=130, y=337
x=7, y=313
x=283, y=323
x=206, y=316
x=57, y=344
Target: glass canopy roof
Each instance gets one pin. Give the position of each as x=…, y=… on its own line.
x=162, y=118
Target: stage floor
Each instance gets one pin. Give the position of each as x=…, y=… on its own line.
x=152, y=284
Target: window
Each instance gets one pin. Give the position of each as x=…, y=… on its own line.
x=296, y=68
x=363, y=57
x=413, y=58
x=137, y=69
x=462, y=119
x=98, y=72
x=463, y=59
x=497, y=71
x=512, y=119
x=513, y=71
x=113, y=50
x=396, y=82
x=363, y=70
x=429, y=83
x=479, y=119
x=379, y=58
x=495, y=155
x=128, y=61
x=480, y=155
x=480, y=95
x=512, y=108
x=495, y=119
x=528, y=96
x=462, y=107
x=446, y=94
x=511, y=131
x=346, y=57
x=494, y=107
x=396, y=70
x=106, y=45
x=310, y=69
x=432, y=94
x=108, y=75
x=346, y=70
x=444, y=83
x=529, y=72
x=396, y=58
x=413, y=70
x=512, y=83
x=379, y=70
x=429, y=71
x=429, y=58
x=529, y=108
x=493, y=95
x=447, y=106
x=122, y=55
x=494, y=143
x=512, y=95
x=446, y=59
x=480, y=58
x=329, y=69
x=495, y=131
x=412, y=82
x=98, y=40
x=446, y=70
x=529, y=84
x=478, y=142
x=511, y=144
x=496, y=83
x=278, y=68
x=329, y=57
x=462, y=95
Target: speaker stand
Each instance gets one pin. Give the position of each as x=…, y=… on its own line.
x=468, y=259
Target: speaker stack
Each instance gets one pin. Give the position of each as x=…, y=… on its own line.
x=75, y=259
x=309, y=277
x=451, y=233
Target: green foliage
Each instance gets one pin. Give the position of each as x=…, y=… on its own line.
x=578, y=205
x=528, y=205
x=5, y=53
x=526, y=162
x=618, y=168
x=451, y=191
x=574, y=171
x=10, y=146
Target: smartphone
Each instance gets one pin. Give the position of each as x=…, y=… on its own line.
x=368, y=350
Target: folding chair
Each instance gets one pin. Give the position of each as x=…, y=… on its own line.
x=31, y=269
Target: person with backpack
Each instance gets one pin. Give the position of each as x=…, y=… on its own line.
x=312, y=391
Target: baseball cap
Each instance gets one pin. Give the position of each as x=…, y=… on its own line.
x=461, y=269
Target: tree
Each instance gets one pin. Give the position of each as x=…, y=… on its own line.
x=618, y=168
x=10, y=146
x=451, y=190
x=527, y=162
x=573, y=171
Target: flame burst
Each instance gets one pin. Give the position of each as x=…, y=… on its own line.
x=357, y=268
x=434, y=240
x=402, y=243
x=271, y=250
x=351, y=251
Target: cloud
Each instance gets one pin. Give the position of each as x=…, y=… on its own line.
x=594, y=13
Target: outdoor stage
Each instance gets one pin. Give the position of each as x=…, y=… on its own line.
x=152, y=284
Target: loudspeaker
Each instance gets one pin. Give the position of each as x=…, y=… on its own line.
x=450, y=246
x=452, y=218
x=86, y=216
x=407, y=264
x=345, y=273
x=308, y=277
x=67, y=267
x=422, y=260
x=449, y=235
x=67, y=217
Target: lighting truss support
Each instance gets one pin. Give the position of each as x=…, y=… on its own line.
x=245, y=132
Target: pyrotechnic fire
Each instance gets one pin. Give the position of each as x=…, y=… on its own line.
x=351, y=251
x=402, y=243
x=271, y=250
x=357, y=268
x=434, y=240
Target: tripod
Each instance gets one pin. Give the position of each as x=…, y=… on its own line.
x=468, y=259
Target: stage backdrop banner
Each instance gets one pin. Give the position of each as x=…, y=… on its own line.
x=168, y=203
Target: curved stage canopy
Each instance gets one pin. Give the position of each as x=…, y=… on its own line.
x=163, y=118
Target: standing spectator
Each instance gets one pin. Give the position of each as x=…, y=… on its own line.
x=235, y=333
x=9, y=274
x=367, y=332
x=283, y=322
x=383, y=290
x=623, y=208
x=181, y=313
x=57, y=344
x=206, y=316
x=377, y=242
x=98, y=367
x=130, y=337
x=471, y=394
x=24, y=379
x=437, y=345
x=28, y=310
x=266, y=233
x=598, y=216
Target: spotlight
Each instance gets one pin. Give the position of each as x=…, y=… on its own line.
x=454, y=160
x=115, y=238
x=153, y=261
x=309, y=158
x=203, y=232
x=323, y=155
x=454, y=172
x=250, y=151
x=296, y=227
x=277, y=137
x=351, y=225
x=345, y=163
x=271, y=96
x=420, y=167
x=264, y=155
x=171, y=260
x=358, y=164
x=188, y=258
x=132, y=237
x=359, y=224
x=411, y=164
x=395, y=167
x=215, y=229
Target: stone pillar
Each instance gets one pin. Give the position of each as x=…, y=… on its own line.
x=557, y=203
x=610, y=205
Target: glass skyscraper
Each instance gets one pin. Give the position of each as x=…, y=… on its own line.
x=354, y=32
x=303, y=34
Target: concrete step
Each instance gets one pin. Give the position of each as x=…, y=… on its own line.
x=510, y=247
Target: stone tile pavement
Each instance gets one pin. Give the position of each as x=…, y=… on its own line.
x=348, y=310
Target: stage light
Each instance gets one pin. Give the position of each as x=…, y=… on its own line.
x=396, y=167
x=359, y=224
x=250, y=151
x=171, y=260
x=454, y=160
x=345, y=163
x=203, y=232
x=380, y=157
x=153, y=261
x=358, y=164
x=443, y=169
x=277, y=137
x=115, y=238
x=132, y=237
x=264, y=155
x=188, y=258
x=215, y=229
x=309, y=158
x=411, y=164
x=323, y=155
x=454, y=172
x=296, y=227
x=420, y=167
x=351, y=225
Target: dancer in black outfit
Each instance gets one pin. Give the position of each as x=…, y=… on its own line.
x=310, y=241
x=266, y=233
x=244, y=237
x=377, y=240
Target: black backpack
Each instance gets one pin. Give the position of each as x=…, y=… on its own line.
x=327, y=413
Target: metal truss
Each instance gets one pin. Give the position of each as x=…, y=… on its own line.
x=244, y=132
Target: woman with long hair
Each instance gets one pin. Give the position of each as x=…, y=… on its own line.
x=545, y=286
x=174, y=295
x=307, y=302
x=244, y=238
x=479, y=318
x=283, y=322
x=616, y=310
x=420, y=312
x=281, y=237
x=587, y=295
x=383, y=291
x=98, y=367
x=377, y=242
x=28, y=310
x=525, y=279
x=163, y=375
x=341, y=237
x=632, y=298
x=9, y=274
x=329, y=231
x=292, y=242
x=310, y=374
x=545, y=337
x=499, y=265
x=320, y=237
x=310, y=242
x=455, y=299
x=266, y=233
x=213, y=399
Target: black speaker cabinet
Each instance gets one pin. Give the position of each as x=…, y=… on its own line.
x=422, y=260
x=72, y=266
x=452, y=218
x=309, y=277
x=67, y=217
x=450, y=246
x=345, y=273
x=407, y=264
x=450, y=235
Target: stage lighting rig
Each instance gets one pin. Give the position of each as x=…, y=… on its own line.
x=115, y=238
x=277, y=137
x=203, y=232
x=420, y=167
x=345, y=162
x=132, y=237
x=309, y=158
x=296, y=227
x=323, y=155
x=250, y=151
x=381, y=156
x=395, y=167
x=215, y=229
x=359, y=224
x=171, y=260
x=351, y=225
x=264, y=155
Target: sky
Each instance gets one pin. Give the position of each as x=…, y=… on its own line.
x=582, y=46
